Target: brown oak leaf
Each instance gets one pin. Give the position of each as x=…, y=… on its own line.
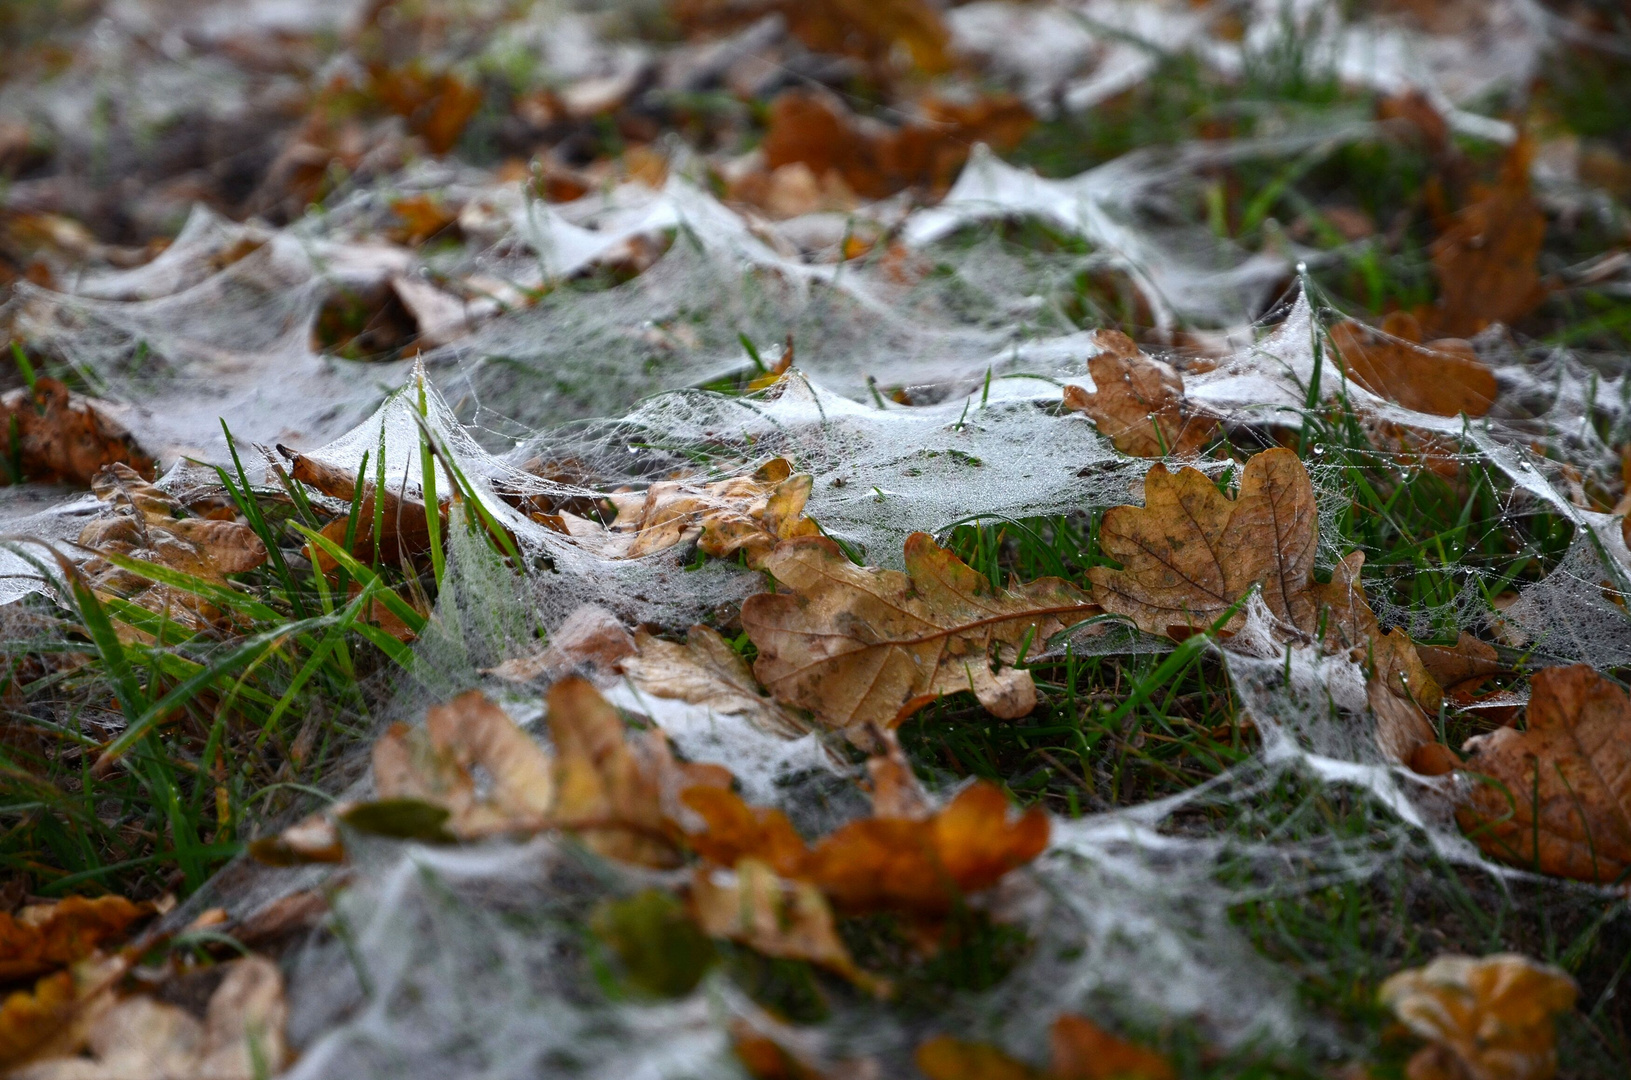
x=1443, y=377
x=1484, y=1019
x=1463, y=667
x=1138, y=402
x=750, y=514
x=1557, y=796
x=706, y=671
x=1190, y=553
x=1486, y=260
x=147, y=524
x=862, y=647
x=53, y=435
x=404, y=529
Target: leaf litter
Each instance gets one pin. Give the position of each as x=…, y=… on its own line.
x=593, y=510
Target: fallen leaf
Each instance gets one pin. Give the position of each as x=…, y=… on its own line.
x=51, y=435
x=1191, y=552
x=1138, y=402
x=52, y=1018
x=41, y=937
x=776, y=917
x=1443, y=377
x=1081, y=1050
x=1084, y=1051
x=422, y=217
x=1486, y=260
x=436, y=764
x=146, y=524
x=1557, y=796
x=590, y=639
x=313, y=839
x=750, y=514
x=662, y=950
x=437, y=106
x=844, y=155
x=943, y=1057
x=1484, y=1019
x=705, y=671
x=404, y=533
x=863, y=647
x=920, y=866
x=1463, y=667
x=867, y=31
x=1402, y=695
x=139, y=1038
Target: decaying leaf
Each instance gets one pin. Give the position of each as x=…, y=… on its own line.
x=1463, y=667
x=313, y=839
x=590, y=639
x=1190, y=553
x=147, y=524
x=1484, y=1019
x=1443, y=377
x=40, y=937
x=862, y=647
x=705, y=671
x=1402, y=695
x=1138, y=402
x=53, y=435
x=615, y=792
x=1084, y=1051
x=1485, y=260
x=1081, y=1050
x=435, y=764
x=1557, y=796
x=868, y=31
x=749, y=514
x=773, y=916
x=139, y=1038
x=611, y=790
x=916, y=865
x=404, y=530
x=819, y=155
x=53, y=1016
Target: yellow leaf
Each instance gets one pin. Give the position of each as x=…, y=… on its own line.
x=1488, y=1019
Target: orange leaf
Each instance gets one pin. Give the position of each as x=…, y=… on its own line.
x=1560, y=799
x=45, y=936
x=1138, y=402
x=1444, y=377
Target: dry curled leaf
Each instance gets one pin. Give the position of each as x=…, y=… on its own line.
x=1484, y=1019
x=819, y=155
x=50, y=434
x=1138, y=402
x=867, y=31
x=918, y=866
x=773, y=916
x=705, y=671
x=1443, y=377
x=139, y=1038
x=40, y=937
x=147, y=524
x=590, y=639
x=1190, y=553
x=1557, y=796
x=1486, y=260
x=862, y=647
x=749, y=514
x=1081, y=1050
x=1463, y=667
x=404, y=529
x=436, y=763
